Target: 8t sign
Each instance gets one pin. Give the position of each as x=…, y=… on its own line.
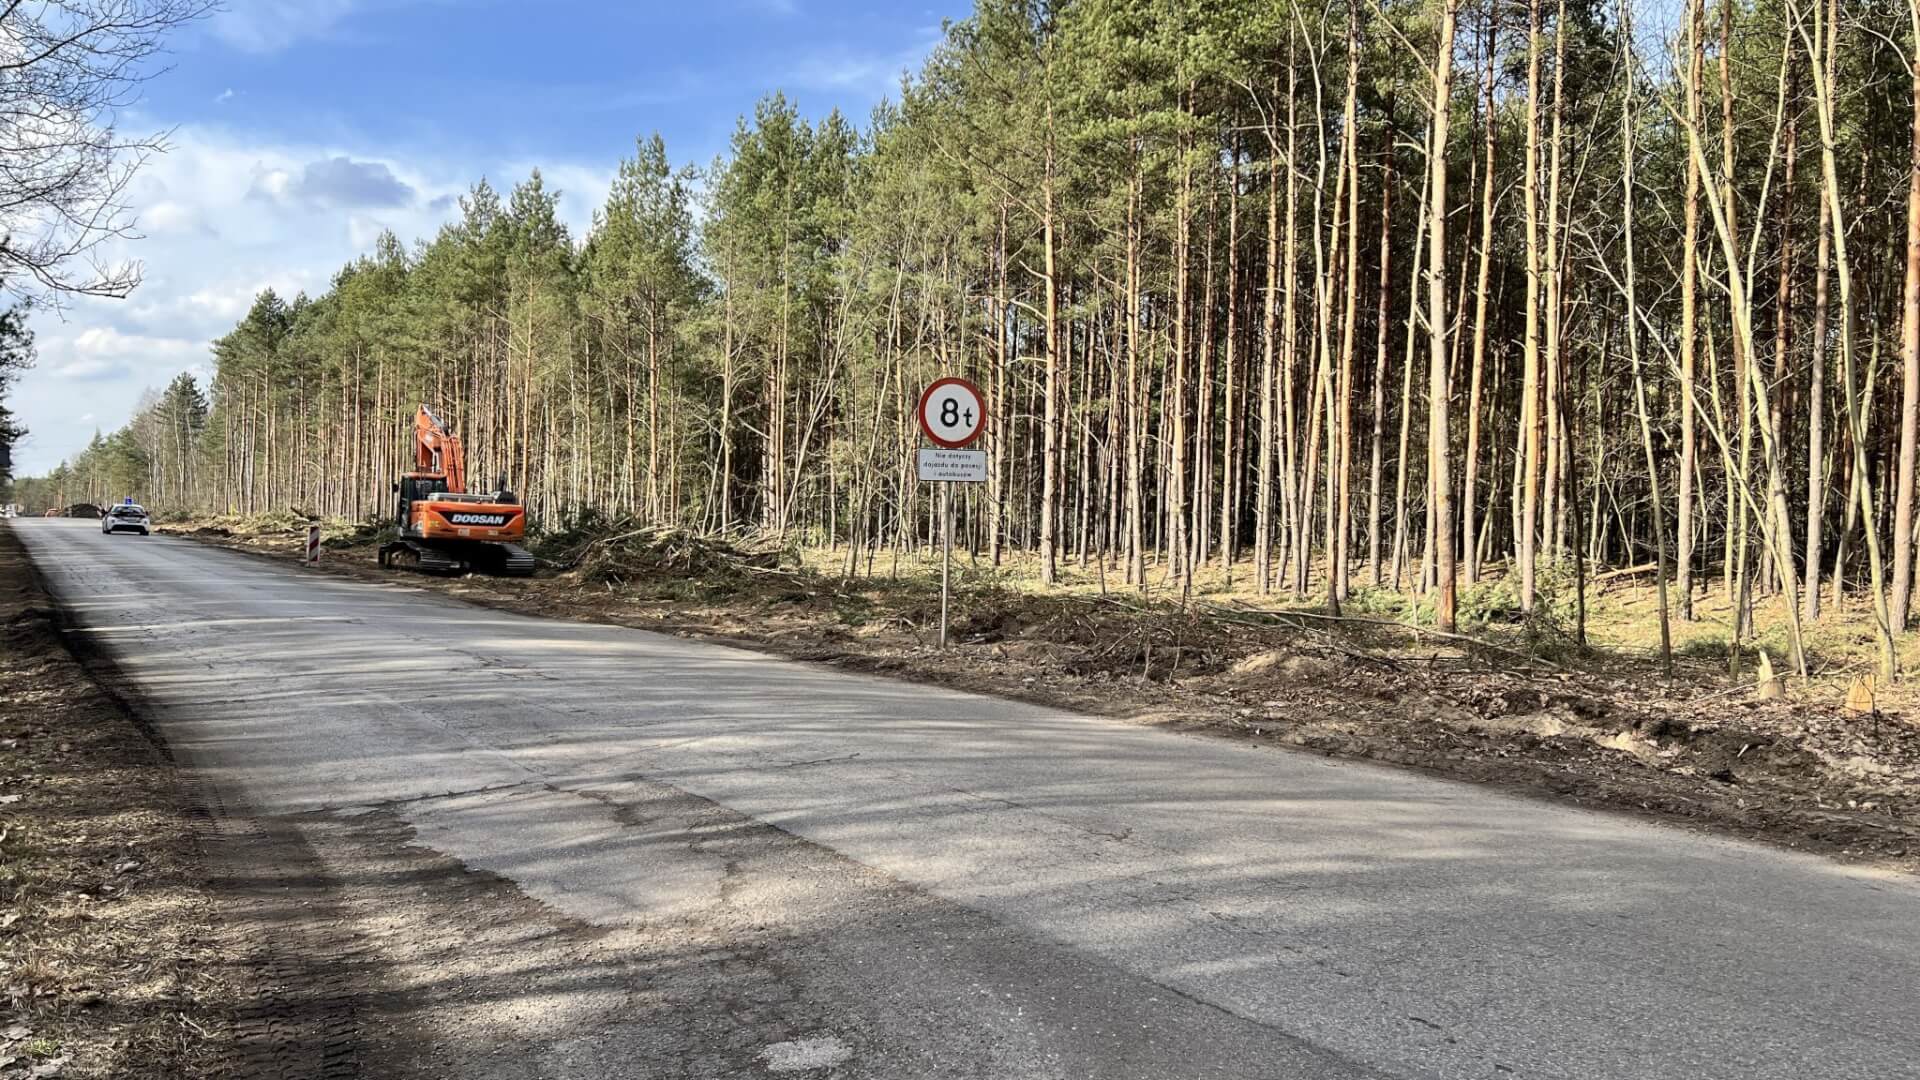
x=953, y=413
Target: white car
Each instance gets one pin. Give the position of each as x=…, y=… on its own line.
x=127, y=517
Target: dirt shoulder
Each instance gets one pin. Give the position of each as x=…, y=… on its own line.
x=112, y=960
x=1602, y=731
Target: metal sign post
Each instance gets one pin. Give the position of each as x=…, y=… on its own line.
x=953, y=414
x=946, y=553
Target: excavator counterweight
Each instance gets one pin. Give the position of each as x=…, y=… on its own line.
x=443, y=527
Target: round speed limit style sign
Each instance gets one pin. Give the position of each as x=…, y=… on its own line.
x=953, y=413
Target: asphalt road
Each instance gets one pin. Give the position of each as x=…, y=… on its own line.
x=1006, y=890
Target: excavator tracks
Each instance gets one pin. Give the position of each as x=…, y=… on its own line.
x=505, y=560
x=516, y=560
x=410, y=555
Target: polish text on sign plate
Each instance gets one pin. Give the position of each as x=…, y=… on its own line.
x=959, y=466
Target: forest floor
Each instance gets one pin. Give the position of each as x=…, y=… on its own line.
x=1515, y=703
x=109, y=958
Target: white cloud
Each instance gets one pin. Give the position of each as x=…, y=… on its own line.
x=265, y=26
x=268, y=26
x=223, y=96
x=224, y=303
x=337, y=181
x=270, y=183
x=98, y=341
x=362, y=231
x=168, y=216
x=89, y=369
x=842, y=69
x=101, y=353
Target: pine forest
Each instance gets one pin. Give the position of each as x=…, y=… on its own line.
x=1318, y=301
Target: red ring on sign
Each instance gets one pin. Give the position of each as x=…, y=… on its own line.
x=926, y=428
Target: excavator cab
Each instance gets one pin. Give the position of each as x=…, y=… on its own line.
x=414, y=488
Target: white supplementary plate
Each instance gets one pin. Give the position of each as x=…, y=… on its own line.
x=953, y=466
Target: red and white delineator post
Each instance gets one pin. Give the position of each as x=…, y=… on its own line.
x=313, y=544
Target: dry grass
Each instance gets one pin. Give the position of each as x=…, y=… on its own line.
x=1623, y=625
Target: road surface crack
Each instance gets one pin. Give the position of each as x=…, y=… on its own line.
x=817, y=761
x=1115, y=835
x=415, y=800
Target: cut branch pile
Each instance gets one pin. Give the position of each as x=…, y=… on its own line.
x=670, y=554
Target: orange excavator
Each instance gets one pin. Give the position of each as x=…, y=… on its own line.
x=444, y=528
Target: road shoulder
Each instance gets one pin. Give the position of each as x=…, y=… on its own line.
x=109, y=929
x=153, y=927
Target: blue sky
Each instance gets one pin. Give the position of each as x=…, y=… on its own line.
x=301, y=128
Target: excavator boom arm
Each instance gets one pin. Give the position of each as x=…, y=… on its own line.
x=435, y=449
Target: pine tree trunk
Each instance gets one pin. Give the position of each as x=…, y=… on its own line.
x=1350, y=138
x=1527, y=534
x=1553, y=507
x=1263, y=522
x=1415, y=269
x=1627, y=170
x=1689, y=315
x=1816, y=407
x=1469, y=500
x=1856, y=418
x=1438, y=392
x=1380, y=344
x=1782, y=326
x=1899, y=609
x=1136, y=422
x=1233, y=433
x=1175, y=401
